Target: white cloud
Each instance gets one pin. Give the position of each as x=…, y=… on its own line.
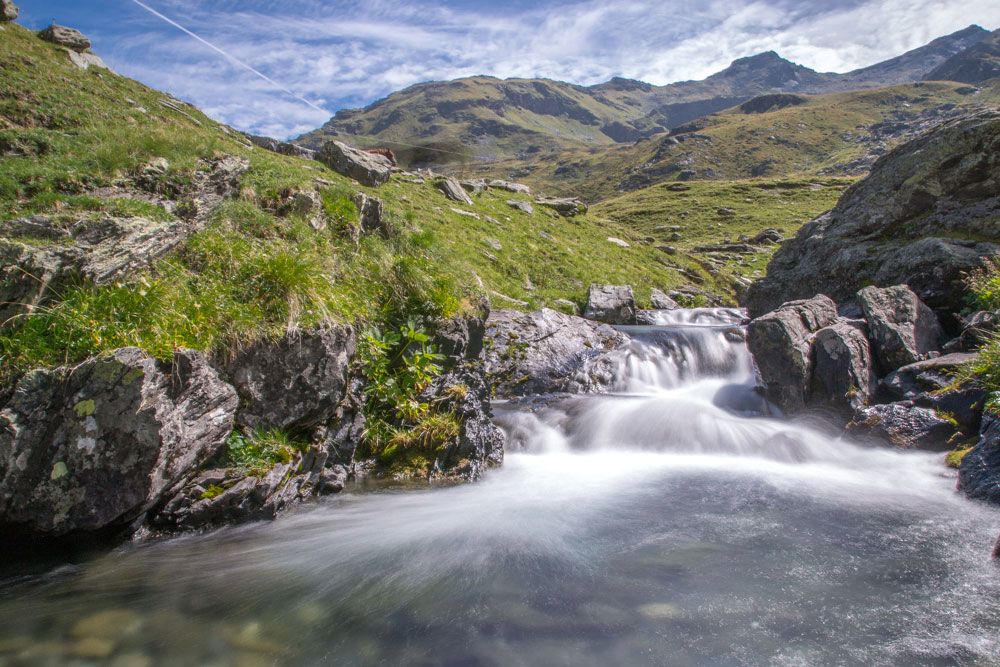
x=348, y=53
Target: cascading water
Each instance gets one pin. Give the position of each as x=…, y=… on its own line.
x=670, y=522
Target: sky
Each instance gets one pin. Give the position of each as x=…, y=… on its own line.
x=284, y=67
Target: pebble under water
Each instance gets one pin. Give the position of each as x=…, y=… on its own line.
x=665, y=524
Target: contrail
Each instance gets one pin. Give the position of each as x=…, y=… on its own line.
x=228, y=56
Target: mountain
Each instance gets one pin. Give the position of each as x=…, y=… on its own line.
x=485, y=119
x=976, y=64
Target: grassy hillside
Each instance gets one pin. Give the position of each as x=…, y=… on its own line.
x=822, y=133
x=73, y=147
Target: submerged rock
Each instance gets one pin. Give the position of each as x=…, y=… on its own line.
x=364, y=167
x=781, y=342
x=91, y=448
x=903, y=329
x=612, y=304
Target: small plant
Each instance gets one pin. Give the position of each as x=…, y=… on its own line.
x=212, y=491
x=984, y=285
x=260, y=450
x=954, y=458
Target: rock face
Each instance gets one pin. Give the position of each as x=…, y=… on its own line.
x=8, y=10
x=903, y=329
x=364, y=167
x=68, y=37
x=547, y=351
x=612, y=304
x=843, y=368
x=92, y=448
x=925, y=215
x=454, y=191
x=781, y=342
x=296, y=382
x=979, y=474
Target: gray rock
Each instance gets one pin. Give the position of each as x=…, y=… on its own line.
x=474, y=186
x=68, y=37
x=843, y=373
x=93, y=447
x=8, y=10
x=547, y=351
x=521, y=205
x=371, y=213
x=767, y=236
x=977, y=328
x=364, y=167
x=903, y=425
x=86, y=59
x=509, y=186
x=612, y=304
x=564, y=206
x=925, y=216
x=979, y=473
x=453, y=190
x=903, y=329
x=931, y=375
x=661, y=301
x=781, y=342
x=281, y=147
x=295, y=382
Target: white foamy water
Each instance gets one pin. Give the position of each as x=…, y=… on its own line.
x=667, y=524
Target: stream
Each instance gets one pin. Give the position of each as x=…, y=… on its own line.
x=665, y=523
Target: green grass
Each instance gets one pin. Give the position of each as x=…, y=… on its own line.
x=259, y=451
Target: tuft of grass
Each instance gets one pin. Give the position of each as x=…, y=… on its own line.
x=953, y=459
x=259, y=451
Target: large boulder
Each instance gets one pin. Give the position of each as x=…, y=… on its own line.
x=90, y=449
x=68, y=37
x=904, y=425
x=781, y=342
x=547, y=351
x=979, y=473
x=843, y=368
x=903, y=329
x=924, y=217
x=8, y=10
x=364, y=167
x=295, y=382
x=611, y=304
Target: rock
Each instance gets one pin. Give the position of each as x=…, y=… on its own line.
x=903, y=425
x=68, y=37
x=295, y=382
x=453, y=190
x=924, y=217
x=521, y=205
x=612, y=304
x=767, y=236
x=281, y=147
x=364, y=167
x=519, y=188
x=564, y=206
x=618, y=242
x=93, y=447
x=661, y=301
x=903, y=329
x=979, y=473
x=371, y=214
x=912, y=380
x=304, y=203
x=781, y=342
x=977, y=328
x=474, y=186
x=843, y=368
x=86, y=59
x=547, y=351
x=111, y=624
x=8, y=11
x=725, y=212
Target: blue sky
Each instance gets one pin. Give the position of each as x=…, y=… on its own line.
x=339, y=54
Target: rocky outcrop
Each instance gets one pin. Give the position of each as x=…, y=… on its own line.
x=364, y=167
x=295, y=382
x=8, y=11
x=91, y=449
x=68, y=37
x=903, y=425
x=924, y=216
x=547, y=351
x=454, y=191
x=903, y=329
x=510, y=186
x=521, y=205
x=781, y=342
x=611, y=304
x=564, y=206
x=39, y=255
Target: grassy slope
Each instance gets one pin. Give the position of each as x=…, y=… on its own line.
x=798, y=140
x=251, y=273
x=756, y=204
